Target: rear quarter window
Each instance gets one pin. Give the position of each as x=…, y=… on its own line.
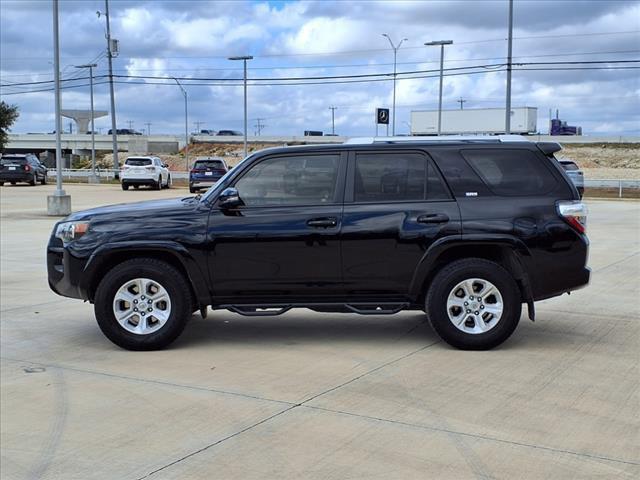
x=569, y=166
x=511, y=172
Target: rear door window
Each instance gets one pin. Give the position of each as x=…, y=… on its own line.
x=396, y=177
x=511, y=172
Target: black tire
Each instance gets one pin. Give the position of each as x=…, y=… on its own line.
x=136, y=187
x=168, y=182
x=158, y=185
x=163, y=273
x=13, y=183
x=1, y=184
x=32, y=182
x=458, y=271
x=44, y=180
x=192, y=190
x=125, y=186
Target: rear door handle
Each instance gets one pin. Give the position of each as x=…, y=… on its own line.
x=433, y=218
x=324, y=222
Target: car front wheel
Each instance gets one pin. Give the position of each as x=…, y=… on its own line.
x=143, y=304
x=473, y=304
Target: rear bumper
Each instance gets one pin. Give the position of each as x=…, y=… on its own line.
x=570, y=281
x=139, y=181
x=17, y=176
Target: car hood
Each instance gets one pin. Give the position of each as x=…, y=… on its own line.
x=150, y=208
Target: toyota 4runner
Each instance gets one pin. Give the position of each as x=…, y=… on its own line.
x=466, y=229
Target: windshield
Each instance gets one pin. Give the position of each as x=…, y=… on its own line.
x=138, y=162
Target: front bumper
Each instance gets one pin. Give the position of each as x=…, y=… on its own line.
x=65, y=272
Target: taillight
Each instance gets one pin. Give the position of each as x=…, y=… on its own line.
x=27, y=168
x=575, y=214
x=150, y=169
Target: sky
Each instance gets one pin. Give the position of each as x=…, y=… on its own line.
x=311, y=39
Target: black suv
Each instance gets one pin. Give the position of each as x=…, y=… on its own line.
x=465, y=229
x=15, y=167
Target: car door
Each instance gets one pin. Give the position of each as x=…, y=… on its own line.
x=284, y=241
x=396, y=206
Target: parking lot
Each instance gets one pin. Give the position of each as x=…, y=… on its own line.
x=310, y=395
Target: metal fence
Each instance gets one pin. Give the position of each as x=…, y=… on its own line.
x=618, y=184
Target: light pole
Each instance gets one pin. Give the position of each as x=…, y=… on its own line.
x=244, y=58
x=186, y=125
x=93, y=178
x=507, y=118
x=442, y=43
x=333, y=120
x=59, y=203
x=395, y=56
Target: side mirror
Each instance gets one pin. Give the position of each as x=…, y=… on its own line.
x=165, y=165
x=229, y=198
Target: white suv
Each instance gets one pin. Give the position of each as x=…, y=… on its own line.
x=145, y=171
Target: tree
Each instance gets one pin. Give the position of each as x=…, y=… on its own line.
x=8, y=115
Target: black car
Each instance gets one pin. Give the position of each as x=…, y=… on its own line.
x=228, y=133
x=22, y=168
x=464, y=229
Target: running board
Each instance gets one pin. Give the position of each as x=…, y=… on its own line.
x=382, y=308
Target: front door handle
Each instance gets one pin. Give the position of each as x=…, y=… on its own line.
x=433, y=218
x=324, y=222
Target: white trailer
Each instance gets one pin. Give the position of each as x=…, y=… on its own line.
x=474, y=121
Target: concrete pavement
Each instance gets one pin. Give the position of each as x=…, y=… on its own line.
x=309, y=395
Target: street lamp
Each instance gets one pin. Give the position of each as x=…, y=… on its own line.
x=186, y=125
x=93, y=178
x=59, y=203
x=395, y=55
x=442, y=43
x=244, y=58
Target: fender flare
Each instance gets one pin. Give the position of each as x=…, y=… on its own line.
x=178, y=253
x=518, y=253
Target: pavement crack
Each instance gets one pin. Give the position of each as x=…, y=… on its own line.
x=476, y=436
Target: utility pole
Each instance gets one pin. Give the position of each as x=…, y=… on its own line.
x=93, y=178
x=148, y=124
x=130, y=123
x=259, y=126
x=507, y=118
x=333, y=119
x=114, y=133
x=70, y=126
x=244, y=58
x=442, y=43
x=186, y=125
x=197, y=124
x=58, y=204
x=395, y=57
x=461, y=101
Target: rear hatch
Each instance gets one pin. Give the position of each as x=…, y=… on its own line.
x=14, y=165
x=138, y=166
x=208, y=169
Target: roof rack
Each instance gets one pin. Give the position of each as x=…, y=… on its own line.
x=439, y=139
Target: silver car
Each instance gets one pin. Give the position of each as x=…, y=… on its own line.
x=574, y=173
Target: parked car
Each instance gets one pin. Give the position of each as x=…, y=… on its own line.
x=148, y=171
x=574, y=173
x=124, y=131
x=205, y=172
x=206, y=132
x=16, y=168
x=229, y=133
x=464, y=229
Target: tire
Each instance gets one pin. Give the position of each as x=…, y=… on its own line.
x=136, y=187
x=32, y=182
x=138, y=272
x=157, y=185
x=44, y=180
x=449, y=288
x=169, y=181
x=13, y=183
x=1, y=184
x=125, y=186
x=193, y=190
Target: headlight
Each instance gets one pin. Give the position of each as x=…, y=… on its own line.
x=70, y=231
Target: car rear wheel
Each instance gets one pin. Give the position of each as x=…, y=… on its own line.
x=157, y=185
x=44, y=180
x=143, y=304
x=473, y=304
x=169, y=181
x=32, y=182
x=125, y=186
